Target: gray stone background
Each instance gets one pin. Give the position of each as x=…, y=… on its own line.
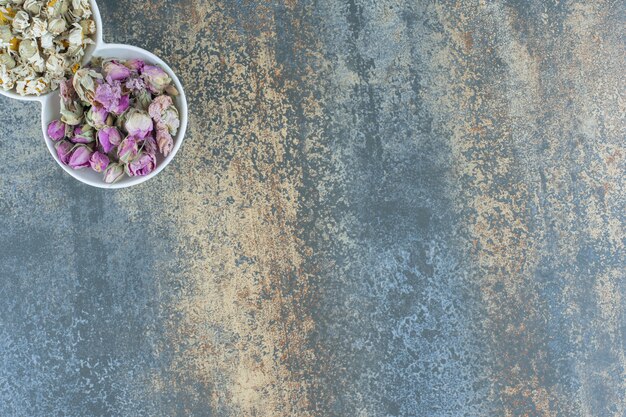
x=381, y=208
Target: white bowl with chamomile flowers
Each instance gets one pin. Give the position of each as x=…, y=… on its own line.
x=117, y=118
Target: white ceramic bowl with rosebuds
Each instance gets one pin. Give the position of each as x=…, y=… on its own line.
x=51, y=107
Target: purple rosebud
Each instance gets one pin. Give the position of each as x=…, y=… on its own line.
x=109, y=137
x=128, y=149
x=109, y=95
x=156, y=78
x=80, y=157
x=165, y=141
x=113, y=173
x=142, y=165
x=121, y=105
x=83, y=134
x=64, y=151
x=165, y=114
x=56, y=130
x=99, y=161
x=97, y=116
x=114, y=71
x=150, y=145
x=68, y=94
x=138, y=123
x=135, y=65
x=135, y=84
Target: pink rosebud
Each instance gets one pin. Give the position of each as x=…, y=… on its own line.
x=64, y=151
x=113, y=173
x=135, y=84
x=80, y=157
x=97, y=116
x=142, y=165
x=99, y=161
x=128, y=149
x=138, y=123
x=114, y=71
x=109, y=137
x=150, y=145
x=121, y=105
x=56, y=130
x=155, y=78
x=165, y=114
x=83, y=134
x=68, y=94
x=165, y=141
x=109, y=95
x=135, y=65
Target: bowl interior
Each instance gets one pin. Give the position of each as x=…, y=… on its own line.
x=51, y=111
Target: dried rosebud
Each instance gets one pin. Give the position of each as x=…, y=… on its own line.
x=84, y=82
x=128, y=149
x=56, y=130
x=109, y=137
x=171, y=90
x=150, y=145
x=114, y=71
x=64, y=151
x=138, y=123
x=165, y=114
x=99, y=161
x=80, y=157
x=142, y=165
x=97, y=116
x=109, y=95
x=57, y=25
x=71, y=113
x=83, y=134
x=122, y=105
x=113, y=173
x=135, y=84
x=67, y=91
x=135, y=65
x=156, y=78
x=165, y=141
x=143, y=98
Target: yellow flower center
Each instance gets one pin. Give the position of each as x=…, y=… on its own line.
x=51, y=3
x=14, y=44
x=75, y=68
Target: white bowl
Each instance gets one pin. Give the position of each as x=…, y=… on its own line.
x=89, y=50
x=51, y=111
x=50, y=103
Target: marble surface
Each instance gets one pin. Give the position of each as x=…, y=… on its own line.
x=382, y=208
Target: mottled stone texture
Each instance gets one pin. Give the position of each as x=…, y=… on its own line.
x=382, y=208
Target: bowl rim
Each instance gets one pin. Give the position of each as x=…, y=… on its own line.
x=178, y=140
x=89, y=51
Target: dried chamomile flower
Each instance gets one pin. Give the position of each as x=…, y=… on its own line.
x=89, y=26
x=32, y=6
x=39, y=27
x=46, y=40
x=27, y=49
x=57, y=25
x=7, y=61
x=81, y=8
x=21, y=21
x=5, y=36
